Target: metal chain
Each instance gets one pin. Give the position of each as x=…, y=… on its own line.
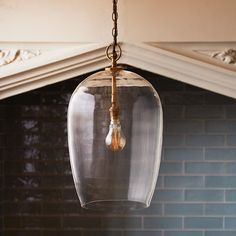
x=115, y=54
x=114, y=30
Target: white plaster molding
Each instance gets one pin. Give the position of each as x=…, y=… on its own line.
x=8, y=56
x=227, y=56
x=50, y=67
x=183, y=68
x=60, y=64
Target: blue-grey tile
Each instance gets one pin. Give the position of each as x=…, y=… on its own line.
x=230, y=195
x=231, y=126
x=216, y=126
x=205, y=140
x=160, y=181
x=203, y=223
x=230, y=222
x=183, y=181
x=88, y=233
x=121, y=222
x=183, y=154
x=28, y=232
x=220, y=209
x=231, y=140
x=205, y=168
x=171, y=168
x=183, y=126
x=173, y=98
x=220, y=233
x=230, y=111
x=173, y=112
x=2, y=141
x=220, y=154
x=168, y=195
x=183, y=233
x=163, y=222
x=173, y=140
x=216, y=99
x=205, y=111
x=183, y=209
x=154, y=209
x=143, y=233
x=204, y=195
x=220, y=181
x=221, y=126
x=79, y=221
x=230, y=167
x=193, y=98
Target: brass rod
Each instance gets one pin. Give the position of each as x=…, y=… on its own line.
x=113, y=92
x=114, y=110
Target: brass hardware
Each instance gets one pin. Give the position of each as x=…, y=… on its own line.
x=110, y=55
x=114, y=56
x=115, y=140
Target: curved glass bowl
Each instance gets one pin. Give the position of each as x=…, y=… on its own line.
x=121, y=180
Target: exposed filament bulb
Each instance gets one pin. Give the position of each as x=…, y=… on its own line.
x=115, y=139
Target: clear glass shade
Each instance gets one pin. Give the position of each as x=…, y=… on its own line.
x=115, y=180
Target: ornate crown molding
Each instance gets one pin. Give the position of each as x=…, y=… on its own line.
x=8, y=56
x=182, y=62
x=227, y=56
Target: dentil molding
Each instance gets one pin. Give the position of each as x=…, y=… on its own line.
x=181, y=61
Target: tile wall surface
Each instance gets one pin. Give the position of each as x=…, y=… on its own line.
x=196, y=190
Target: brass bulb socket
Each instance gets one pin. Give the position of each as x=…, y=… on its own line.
x=114, y=113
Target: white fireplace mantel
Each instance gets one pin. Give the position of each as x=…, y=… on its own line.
x=44, y=42
x=211, y=66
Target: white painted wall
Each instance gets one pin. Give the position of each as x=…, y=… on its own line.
x=139, y=20
x=181, y=20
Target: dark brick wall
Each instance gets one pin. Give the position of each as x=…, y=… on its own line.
x=196, y=190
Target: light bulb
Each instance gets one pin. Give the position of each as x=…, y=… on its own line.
x=115, y=139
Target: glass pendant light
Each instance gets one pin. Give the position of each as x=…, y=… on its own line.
x=115, y=136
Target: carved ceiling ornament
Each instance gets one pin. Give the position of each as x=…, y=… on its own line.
x=228, y=55
x=8, y=56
